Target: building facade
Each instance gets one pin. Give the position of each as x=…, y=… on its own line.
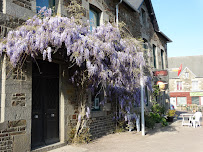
x=187, y=88
x=23, y=108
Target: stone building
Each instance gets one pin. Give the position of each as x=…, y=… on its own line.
x=187, y=88
x=28, y=119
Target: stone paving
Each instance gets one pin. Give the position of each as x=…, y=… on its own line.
x=173, y=138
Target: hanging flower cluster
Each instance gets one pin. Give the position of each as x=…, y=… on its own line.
x=107, y=57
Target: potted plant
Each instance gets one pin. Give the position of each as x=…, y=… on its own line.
x=170, y=115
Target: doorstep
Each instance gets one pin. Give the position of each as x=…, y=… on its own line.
x=49, y=147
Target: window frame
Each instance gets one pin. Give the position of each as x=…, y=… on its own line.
x=196, y=86
x=143, y=16
x=96, y=11
x=192, y=100
x=96, y=97
x=162, y=59
x=51, y=4
x=179, y=85
x=154, y=55
x=187, y=75
x=179, y=100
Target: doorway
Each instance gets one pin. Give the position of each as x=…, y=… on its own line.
x=45, y=103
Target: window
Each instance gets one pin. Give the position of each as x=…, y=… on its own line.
x=195, y=100
x=195, y=85
x=143, y=15
x=154, y=55
x=187, y=75
x=181, y=101
x=162, y=59
x=145, y=44
x=179, y=85
x=42, y=3
x=97, y=97
x=1, y=5
x=94, y=17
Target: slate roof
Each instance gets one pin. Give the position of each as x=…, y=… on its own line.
x=194, y=63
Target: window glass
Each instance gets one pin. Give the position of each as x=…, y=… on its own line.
x=93, y=18
x=1, y=5
x=162, y=59
x=187, y=74
x=143, y=13
x=195, y=100
x=179, y=85
x=97, y=97
x=194, y=85
x=42, y=3
x=154, y=55
x=181, y=101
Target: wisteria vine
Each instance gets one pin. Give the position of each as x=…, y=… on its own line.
x=101, y=53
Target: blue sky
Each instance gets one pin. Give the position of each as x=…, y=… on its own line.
x=182, y=22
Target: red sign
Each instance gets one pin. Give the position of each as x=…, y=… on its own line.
x=161, y=73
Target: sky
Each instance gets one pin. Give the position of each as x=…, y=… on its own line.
x=182, y=22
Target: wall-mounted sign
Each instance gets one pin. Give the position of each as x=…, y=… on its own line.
x=160, y=73
x=162, y=85
x=197, y=94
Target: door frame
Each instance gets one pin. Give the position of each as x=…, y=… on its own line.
x=61, y=108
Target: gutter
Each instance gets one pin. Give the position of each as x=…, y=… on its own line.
x=167, y=38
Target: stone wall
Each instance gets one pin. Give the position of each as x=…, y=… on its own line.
x=15, y=126
x=8, y=23
x=8, y=131
x=23, y=3
x=100, y=126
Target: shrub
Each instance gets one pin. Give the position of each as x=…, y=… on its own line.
x=149, y=121
x=171, y=113
x=164, y=122
x=156, y=108
x=156, y=117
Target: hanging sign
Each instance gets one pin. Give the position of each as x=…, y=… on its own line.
x=160, y=73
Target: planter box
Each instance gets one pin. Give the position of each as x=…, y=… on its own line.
x=170, y=119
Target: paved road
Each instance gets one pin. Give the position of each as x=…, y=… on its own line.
x=174, y=138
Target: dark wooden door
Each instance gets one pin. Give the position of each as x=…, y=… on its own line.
x=45, y=103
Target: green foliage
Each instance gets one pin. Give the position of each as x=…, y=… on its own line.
x=171, y=113
x=149, y=121
x=156, y=108
x=152, y=118
x=155, y=116
x=164, y=122
x=156, y=91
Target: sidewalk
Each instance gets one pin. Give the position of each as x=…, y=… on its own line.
x=173, y=138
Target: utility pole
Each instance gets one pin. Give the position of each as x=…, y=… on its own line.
x=142, y=101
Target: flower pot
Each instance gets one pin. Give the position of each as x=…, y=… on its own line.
x=170, y=119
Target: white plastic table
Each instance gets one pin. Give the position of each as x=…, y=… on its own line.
x=186, y=122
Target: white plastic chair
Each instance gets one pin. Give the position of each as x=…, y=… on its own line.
x=195, y=120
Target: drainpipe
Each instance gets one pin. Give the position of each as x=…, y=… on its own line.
x=59, y=9
x=117, y=12
x=3, y=89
